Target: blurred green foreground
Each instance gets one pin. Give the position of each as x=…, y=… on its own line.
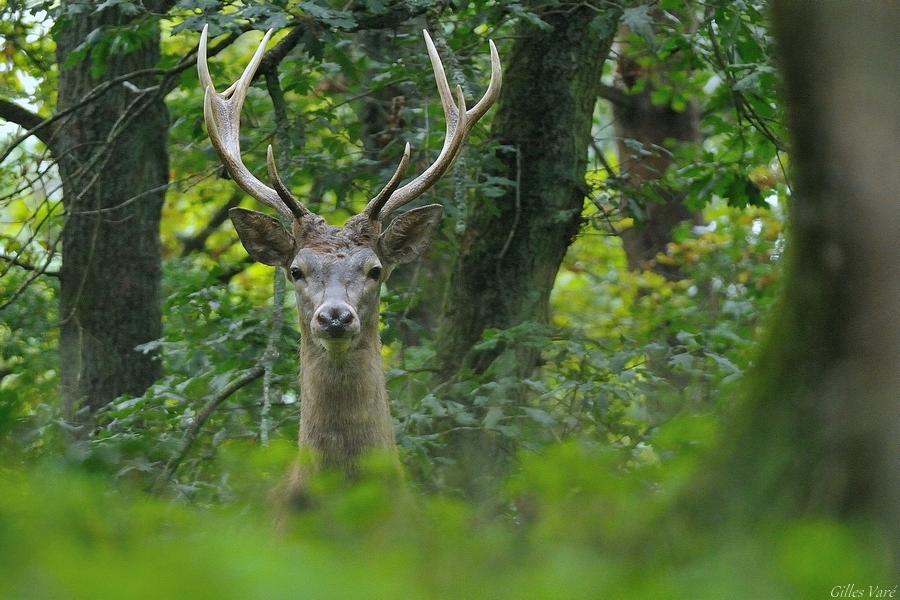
x=562, y=532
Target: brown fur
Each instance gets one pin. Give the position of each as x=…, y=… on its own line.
x=344, y=407
x=345, y=410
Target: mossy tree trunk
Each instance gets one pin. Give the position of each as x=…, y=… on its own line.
x=113, y=165
x=821, y=431
x=513, y=245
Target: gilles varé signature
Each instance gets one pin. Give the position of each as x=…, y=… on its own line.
x=851, y=590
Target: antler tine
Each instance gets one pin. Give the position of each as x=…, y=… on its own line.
x=377, y=203
x=243, y=84
x=222, y=113
x=493, y=91
x=459, y=122
x=440, y=77
x=202, y=66
x=298, y=210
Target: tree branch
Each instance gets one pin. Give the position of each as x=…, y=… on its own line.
x=10, y=258
x=615, y=96
x=397, y=14
x=244, y=379
x=37, y=273
x=282, y=124
x=276, y=54
x=170, y=82
x=196, y=242
x=12, y=112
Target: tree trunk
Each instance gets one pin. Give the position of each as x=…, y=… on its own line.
x=638, y=119
x=513, y=245
x=113, y=193
x=821, y=432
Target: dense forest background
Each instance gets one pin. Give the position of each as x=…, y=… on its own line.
x=652, y=352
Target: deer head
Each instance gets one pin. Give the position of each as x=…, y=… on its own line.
x=337, y=272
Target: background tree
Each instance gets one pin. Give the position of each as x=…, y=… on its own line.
x=819, y=432
x=647, y=123
x=511, y=249
x=113, y=165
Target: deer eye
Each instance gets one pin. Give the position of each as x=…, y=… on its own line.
x=296, y=273
x=375, y=273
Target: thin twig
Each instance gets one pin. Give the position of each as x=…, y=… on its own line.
x=270, y=353
x=246, y=378
x=615, y=96
x=186, y=62
x=35, y=275
x=515, y=223
x=15, y=260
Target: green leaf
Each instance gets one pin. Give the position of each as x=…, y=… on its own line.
x=640, y=21
x=493, y=416
x=722, y=361
x=517, y=10
x=376, y=7
x=539, y=416
x=335, y=18
x=81, y=50
x=683, y=361
x=126, y=7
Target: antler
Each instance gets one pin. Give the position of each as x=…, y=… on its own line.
x=459, y=123
x=222, y=113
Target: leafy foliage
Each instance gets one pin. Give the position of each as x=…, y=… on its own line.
x=718, y=56
x=637, y=371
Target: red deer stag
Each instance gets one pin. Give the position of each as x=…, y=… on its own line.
x=338, y=272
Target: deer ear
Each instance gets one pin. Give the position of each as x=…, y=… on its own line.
x=410, y=234
x=264, y=238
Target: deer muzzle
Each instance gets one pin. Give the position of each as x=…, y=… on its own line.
x=335, y=322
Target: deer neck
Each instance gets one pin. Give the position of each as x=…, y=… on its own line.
x=344, y=410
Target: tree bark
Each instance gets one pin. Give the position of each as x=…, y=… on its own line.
x=113, y=192
x=513, y=245
x=654, y=127
x=821, y=430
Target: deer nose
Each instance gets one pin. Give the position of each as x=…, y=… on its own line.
x=335, y=319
